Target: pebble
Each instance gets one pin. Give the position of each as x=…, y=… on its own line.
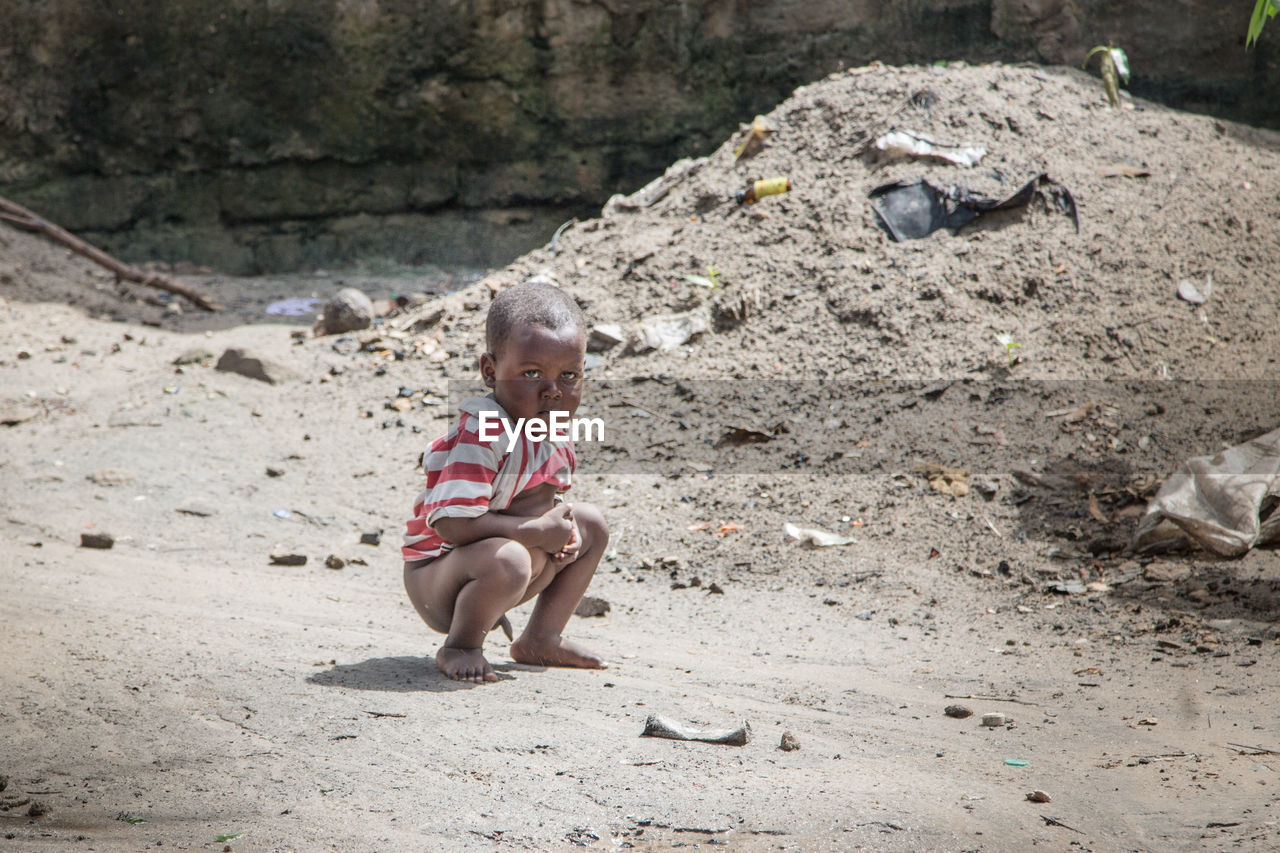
x=333, y=561
x=247, y=363
x=288, y=558
x=102, y=541
x=1039, y=797
x=195, y=355
x=994, y=720
x=274, y=472
x=591, y=606
x=789, y=742
x=348, y=311
x=959, y=712
x=110, y=477
x=371, y=537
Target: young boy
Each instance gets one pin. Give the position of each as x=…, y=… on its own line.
x=489, y=532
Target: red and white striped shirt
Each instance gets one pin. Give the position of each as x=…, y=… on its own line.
x=468, y=476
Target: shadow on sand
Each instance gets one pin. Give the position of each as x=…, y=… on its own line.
x=402, y=674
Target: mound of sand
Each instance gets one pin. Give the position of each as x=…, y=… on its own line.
x=1163, y=197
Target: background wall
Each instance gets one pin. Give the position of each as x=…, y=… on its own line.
x=288, y=133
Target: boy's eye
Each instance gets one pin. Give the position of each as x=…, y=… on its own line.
x=531, y=373
x=569, y=376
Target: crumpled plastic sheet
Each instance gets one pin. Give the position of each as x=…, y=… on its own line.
x=910, y=210
x=1225, y=503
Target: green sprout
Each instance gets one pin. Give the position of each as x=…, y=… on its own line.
x=1114, y=65
x=1263, y=11
x=1010, y=345
x=222, y=839
x=714, y=279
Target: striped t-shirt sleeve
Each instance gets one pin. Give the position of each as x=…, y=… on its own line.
x=460, y=475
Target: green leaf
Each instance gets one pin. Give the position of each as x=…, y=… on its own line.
x=1263, y=11
x=225, y=838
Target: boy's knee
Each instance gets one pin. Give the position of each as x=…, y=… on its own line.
x=591, y=523
x=513, y=564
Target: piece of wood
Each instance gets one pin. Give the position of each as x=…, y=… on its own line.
x=18, y=216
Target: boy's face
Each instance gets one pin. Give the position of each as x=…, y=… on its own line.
x=537, y=371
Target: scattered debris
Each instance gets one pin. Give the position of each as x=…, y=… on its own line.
x=958, y=712
x=371, y=537
x=287, y=558
x=590, y=606
x=604, y=336
x=333, y=561
x=658, y=726
x=909, y=210
x=994, y=720
x=1039, y=796
x=294, y=306
x=761, y=189
x=754, y=139
x=654, y=191
x=909, y=143
x=948, y=481
x=813, y=537
x=1225, y=503
x=1053, y=821
x=670, y=331
x=789, y=742
x=194, y=355
x=99, y=540
x=1188, y=291
x=111, y=477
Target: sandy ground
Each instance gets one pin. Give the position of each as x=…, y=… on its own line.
x=179, y=688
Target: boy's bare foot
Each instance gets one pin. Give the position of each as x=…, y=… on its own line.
x=465, y=665
x=555, y=651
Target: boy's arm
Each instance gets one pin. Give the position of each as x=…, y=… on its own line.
x=549, y=531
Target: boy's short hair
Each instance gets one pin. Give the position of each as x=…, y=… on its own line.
x=533, y=304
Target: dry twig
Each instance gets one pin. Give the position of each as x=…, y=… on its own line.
x=19, y=217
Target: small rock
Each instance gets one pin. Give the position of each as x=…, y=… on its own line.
x=38, y=809
x=591, y=606
x=288, y=558
x=274, y=472
x=714, y=589
x=348, y=311
x=371, y=537
x=1189, y=292
x=605, y=337
x=959, y=712
x=994, y=721
x=195, y=355
x=198, y=509
x=333, y=561
x=789, y=742
x=4, y=781
x=246, y=363
x=102, y=541
x=1039, y=797
x=110, y=477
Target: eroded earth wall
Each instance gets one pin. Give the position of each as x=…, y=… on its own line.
x=289, y=133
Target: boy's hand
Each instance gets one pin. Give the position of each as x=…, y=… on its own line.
x=569, y=552
x=555, y=528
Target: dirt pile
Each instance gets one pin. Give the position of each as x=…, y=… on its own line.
x=1163, y=197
